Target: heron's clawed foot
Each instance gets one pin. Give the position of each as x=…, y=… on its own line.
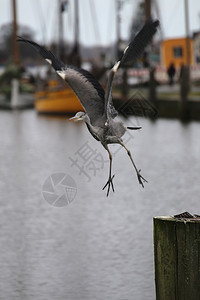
x=141, y=179
x=109, y=183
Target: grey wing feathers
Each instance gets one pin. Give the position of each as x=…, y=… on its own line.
x=130, y=55
x=86, y=87
x=109, y=108
x=137, y=46
x=87, y=90
x=46, y=54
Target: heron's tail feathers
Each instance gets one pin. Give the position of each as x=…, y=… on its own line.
x=138, y=44
x=134, y=127
x=46, y=54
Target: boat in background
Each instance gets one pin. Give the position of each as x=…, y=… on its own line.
x=56, y=97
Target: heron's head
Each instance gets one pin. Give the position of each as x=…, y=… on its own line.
x=79, y=116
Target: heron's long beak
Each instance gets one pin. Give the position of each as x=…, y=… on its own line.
x=72, y=118
x=75, y=118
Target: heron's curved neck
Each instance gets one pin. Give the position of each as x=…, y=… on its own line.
x=87, y=120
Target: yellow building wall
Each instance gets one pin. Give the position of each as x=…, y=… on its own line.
x=167, y=52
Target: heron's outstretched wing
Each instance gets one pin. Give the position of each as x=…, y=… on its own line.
x=138, y=44
x=130, y=55
x=86, y=87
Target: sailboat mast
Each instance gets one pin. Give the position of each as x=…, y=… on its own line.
x=76, y=16
x=186, y=9
x=147, y=10
x=15, y=44
x=60, y=30
x=76, y=49
x=118, y=27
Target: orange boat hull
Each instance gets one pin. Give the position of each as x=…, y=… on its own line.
x=58, y=100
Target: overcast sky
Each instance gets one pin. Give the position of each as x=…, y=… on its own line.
x=97, y=21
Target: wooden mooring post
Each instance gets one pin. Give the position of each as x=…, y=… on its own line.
x=184, y=90
x=177, y=257
x=152, y=86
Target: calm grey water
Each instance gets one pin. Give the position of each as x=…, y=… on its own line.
x=95, y=247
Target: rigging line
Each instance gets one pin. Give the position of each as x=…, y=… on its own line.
x=173, y=9
x=67, y=23
x=7, y=14
x=48, y=20
x=95, y=21
x=54, y=24
x=110, y=25
x=86, y=29
x=39, y=16
x=52, y=20
x=69, y=16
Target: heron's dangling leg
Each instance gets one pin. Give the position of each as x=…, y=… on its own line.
x=141, y=179
x=110, y=178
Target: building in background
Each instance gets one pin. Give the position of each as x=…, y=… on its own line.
x=175, y=50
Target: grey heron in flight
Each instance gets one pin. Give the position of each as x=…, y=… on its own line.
x=100, y=113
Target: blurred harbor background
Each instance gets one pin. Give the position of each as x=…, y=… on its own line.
x=93, y=247
x=168, y=73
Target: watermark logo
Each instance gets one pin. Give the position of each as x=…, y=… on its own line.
x=138, y=105
x=87, y=160
x=59, y=189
